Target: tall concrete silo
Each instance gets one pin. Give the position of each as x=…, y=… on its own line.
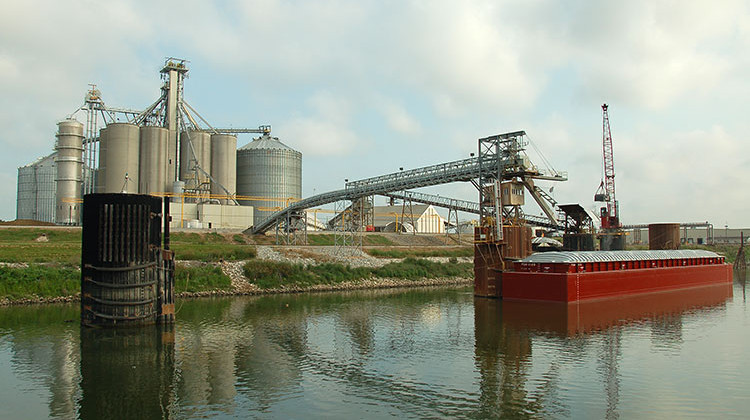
x=201, y=142
x=154, y=161
x=224, y=164
x=119, y=149
x=101, y=173
x=69, y=161
x=36, y=190
x=270, y=170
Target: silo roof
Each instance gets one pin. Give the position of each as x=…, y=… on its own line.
x=266, y=142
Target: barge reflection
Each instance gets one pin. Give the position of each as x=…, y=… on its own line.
x=505, y=333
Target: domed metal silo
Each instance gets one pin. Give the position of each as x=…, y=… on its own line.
x=152, y=177
x=119, y=148
x=202, y=146
x=269, y=169
x=224, y=164
x=69, y=160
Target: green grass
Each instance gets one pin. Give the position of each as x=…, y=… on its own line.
x=421, y=252
x=69, y=254
x=57, y=281
x=19, y=245
x=329, y=240
x=37, y=280
x=273, y=274
x=213, y=252
x=414, y=269
x=199, y=279
x=11, y=235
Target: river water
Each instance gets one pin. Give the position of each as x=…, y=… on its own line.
x=420, y=353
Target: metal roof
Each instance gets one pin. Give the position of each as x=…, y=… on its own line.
x=267, y=142
x=570, y=257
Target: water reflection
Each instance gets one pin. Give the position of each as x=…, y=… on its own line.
x=416, y=353
x=505, y=333
x=127, y=373
x=740, y=277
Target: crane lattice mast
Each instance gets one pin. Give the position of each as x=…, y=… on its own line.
x=610, y=216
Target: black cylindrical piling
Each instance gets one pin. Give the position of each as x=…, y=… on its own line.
x=124, y=278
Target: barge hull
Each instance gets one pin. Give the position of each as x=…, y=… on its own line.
x=579, y=286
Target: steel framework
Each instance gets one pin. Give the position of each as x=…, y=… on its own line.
x=505, y=164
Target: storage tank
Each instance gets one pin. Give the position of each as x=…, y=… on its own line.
x=36, y=190
x=69, y=161
x=269, y=169
x=224, y=165
x=154, y=161
x=118, y=157
x=202, y=146
x=101, y=173
x=663, y=236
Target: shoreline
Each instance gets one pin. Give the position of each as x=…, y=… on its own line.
x=367, y=284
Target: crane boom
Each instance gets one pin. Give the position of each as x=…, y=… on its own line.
x=610, y=216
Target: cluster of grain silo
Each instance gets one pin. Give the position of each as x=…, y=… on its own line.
x=163, y=151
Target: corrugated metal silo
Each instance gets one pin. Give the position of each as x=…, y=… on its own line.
x=269, y=169
x=154, y=161
x=224, y=164
x=118, y=156
x=69, y=160
x=36, y=190
x=202, y=146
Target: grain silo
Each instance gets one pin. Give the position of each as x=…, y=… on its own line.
x=224, y=165
x=69, y=160
x=118, y=159
x=270, y=172
x=201, y=145
x=36, y=190
x=154, y=165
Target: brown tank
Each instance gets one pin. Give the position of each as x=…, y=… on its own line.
x=664, y=236
x=488, y=261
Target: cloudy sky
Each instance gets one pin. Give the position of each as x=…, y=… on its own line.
x=363, y=88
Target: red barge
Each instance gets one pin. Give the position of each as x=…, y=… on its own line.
x=584, y=275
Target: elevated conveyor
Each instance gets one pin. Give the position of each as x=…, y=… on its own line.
x=511, y=163
x=457, y=171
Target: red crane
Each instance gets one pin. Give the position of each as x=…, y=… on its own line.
x=610, y=215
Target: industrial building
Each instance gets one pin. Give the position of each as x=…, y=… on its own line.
x=166, y=150
x=692, y=234
x=419, y=218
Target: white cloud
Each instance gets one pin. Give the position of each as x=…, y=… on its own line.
x=329, y=76
x=399, y=119
x=325, y=131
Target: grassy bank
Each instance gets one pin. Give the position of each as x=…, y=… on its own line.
x=52, y=281
x=200, y=279
x=273, y=274
x=39, y=281
x=63, y=246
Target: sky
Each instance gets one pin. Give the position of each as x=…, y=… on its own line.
x=363, y=88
